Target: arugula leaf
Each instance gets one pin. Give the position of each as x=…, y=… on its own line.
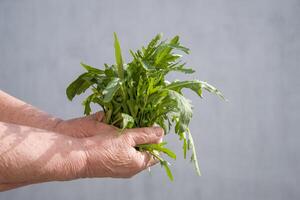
x=91, y=69
x=118, y=56
x=78, y=86
x=165, y=164
x=184, y=110
x=211, y=89
x=194, y=154
x=137, y=94
x=158, y=147
x=194, y=85
x=111, y=88
x=128, y=121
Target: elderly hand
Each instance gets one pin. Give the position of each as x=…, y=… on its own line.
x=36, y=147
x=42, y=156
x=83, y=126
x=110, y=155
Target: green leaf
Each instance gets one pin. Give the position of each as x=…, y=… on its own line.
x=178, y=47
x=180, y=68
x=159, y=147
x=133, y=107
x=128, y=121
x=118, y=56
x=167, y=169
x=110, y=71
x=78, y=86
x=110, y=90
x=152, y=44
x=86, y=103
x=167, y=151
x=194, y=153
x=91, y=69
x=137, y=94
x=194, y=85
x=211, y=89
x=146, y=65
x=183, y=108
x=184, y=148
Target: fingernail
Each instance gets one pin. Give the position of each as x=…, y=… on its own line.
x=158, y=131
x=160, y=140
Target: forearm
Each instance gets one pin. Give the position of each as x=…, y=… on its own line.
x=13, y=110
x=30, y=155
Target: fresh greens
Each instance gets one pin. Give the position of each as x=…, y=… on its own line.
x=137, y=94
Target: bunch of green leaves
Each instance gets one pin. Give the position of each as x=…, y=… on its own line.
x=137, y=94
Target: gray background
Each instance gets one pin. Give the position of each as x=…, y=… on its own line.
x=248, y=147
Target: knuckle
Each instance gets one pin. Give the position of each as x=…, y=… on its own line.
x=154, y=131
x=143, y=138
x=128, y=138
x=148, y=131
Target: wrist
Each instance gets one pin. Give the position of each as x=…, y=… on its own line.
x=67, y=163
x=74, y=166
x=54, y=124
x=86, y=144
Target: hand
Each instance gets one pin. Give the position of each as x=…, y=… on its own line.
x=78, y=127
x=110, y=154
x=83, y=126
x=115, y=155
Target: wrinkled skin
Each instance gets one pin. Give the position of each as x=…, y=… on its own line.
x=96, y=150
x=106, y=154
x=115, y=156
x=83, y=126
x=110, y=152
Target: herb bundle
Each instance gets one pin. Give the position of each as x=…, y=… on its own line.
x=137, y=94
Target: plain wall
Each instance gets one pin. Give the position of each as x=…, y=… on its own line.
x=248, y=148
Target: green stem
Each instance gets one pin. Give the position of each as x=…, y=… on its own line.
x=142, y=111
x=194, y=154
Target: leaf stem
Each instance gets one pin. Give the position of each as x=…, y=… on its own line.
x=194, y=154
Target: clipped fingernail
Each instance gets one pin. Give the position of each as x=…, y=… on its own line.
x=160, y=140
x=158, y=131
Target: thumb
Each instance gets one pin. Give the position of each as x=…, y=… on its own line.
x=137, y=136
x=148, y=160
